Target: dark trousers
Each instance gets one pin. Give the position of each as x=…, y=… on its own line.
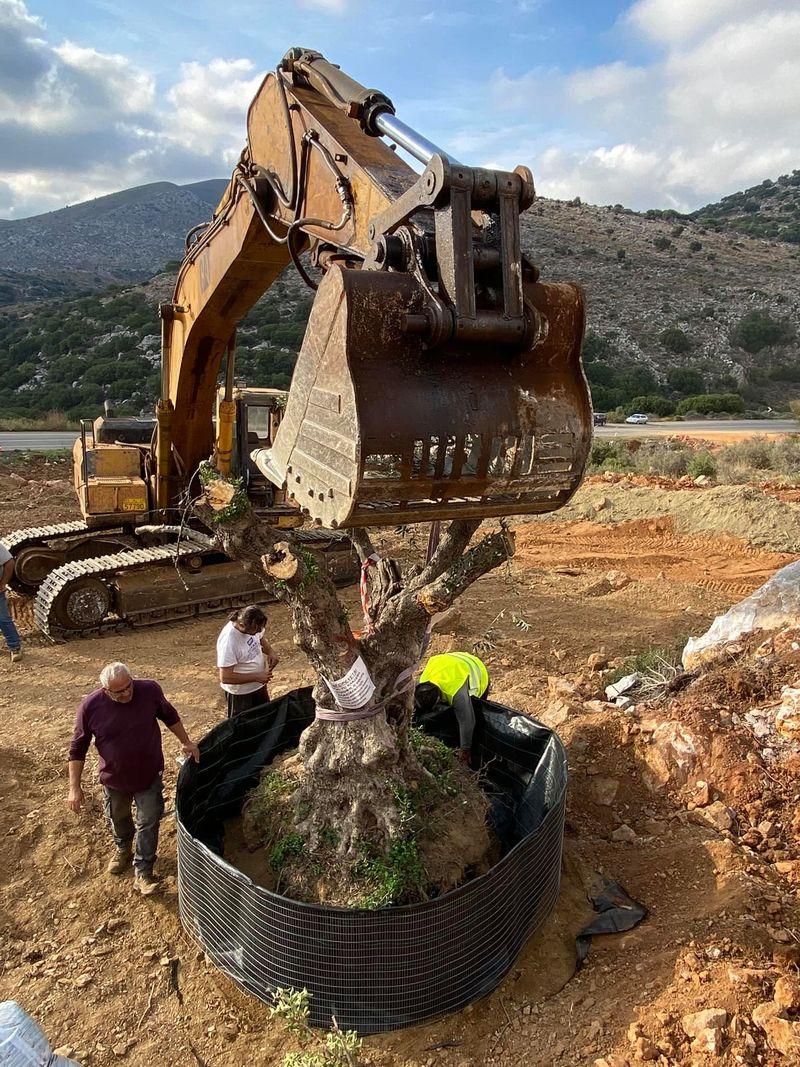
x=239, y=702
x=7, y=627
x=149, y=809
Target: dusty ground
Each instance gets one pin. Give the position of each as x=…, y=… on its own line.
x=111, y=976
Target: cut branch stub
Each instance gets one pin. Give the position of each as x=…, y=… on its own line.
x=282, y=564
x=218, y=494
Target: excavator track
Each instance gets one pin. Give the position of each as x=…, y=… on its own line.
x=58, y=581
x=47, y=538
x=18, y=539
x=87, y=579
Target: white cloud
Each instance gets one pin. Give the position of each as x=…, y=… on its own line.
x=76, y=122
x=671, y=22
x=602, y=83
x=718, y=111
x=211, y=102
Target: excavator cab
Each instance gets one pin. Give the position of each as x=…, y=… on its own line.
x=442, y=380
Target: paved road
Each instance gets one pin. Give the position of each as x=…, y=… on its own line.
x=701, y=428
x=36, y=441
x=42, y=441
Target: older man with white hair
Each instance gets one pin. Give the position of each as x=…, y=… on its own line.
x=122, y=718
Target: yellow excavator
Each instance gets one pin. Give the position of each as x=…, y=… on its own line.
x=439, y=378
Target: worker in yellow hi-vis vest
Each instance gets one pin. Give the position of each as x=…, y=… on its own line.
x=454, y=678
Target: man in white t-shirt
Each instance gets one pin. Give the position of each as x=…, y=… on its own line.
x=245, y=660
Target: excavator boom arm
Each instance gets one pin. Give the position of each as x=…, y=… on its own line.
x=425, y=298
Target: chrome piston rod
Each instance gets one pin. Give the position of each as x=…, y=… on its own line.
x=412, y=142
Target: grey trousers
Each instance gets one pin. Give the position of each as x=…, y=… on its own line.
x=149, y=809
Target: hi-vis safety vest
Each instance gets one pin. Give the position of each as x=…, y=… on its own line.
x=451, y=670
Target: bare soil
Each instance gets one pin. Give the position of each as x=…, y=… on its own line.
x=112, y=976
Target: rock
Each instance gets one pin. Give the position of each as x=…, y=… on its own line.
x=708, y=1040
x=598, y=661
x=773, y=606
x=447, y=622
x=709, y=1019
x=787, y=994
x=672, y=756
x=762, y=1013
x=83, y=980
x=718, y=815
x=750, y=976
x=645, y=1050
x=700, y=796
x=64, y=1050
x=622, y=685
x=780, y=934
x=783, y=1035
x=787, y=715
x=604, y=790
x=635, y=1031
x=624, y=834
x=617, y=579
x=594, y=707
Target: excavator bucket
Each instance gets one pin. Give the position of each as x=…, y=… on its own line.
x=379, y=429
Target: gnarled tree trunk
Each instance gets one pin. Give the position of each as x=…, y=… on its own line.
x=351, y=779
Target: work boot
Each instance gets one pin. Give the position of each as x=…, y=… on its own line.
x=120, y=861
x=16, y=655
x=146, y=883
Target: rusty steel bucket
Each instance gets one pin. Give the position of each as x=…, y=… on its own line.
x=379, y=429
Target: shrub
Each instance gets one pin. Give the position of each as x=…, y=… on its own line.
x=661, y=243
x=620, y=254
x=677, y=231
x=711, y=403
x=758, y=329
x=695, y=246
x=701, y=464
x=651, y=404
x=675, y=340
x=686, y=380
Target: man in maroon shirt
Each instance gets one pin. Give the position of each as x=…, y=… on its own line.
x=122, y=717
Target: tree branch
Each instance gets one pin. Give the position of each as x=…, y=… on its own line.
x=489, y=553
x=454, y=540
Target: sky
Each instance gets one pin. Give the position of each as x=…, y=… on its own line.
x=651, y=103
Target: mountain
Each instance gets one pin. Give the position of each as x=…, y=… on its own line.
x=676, y=308
x=125, y=236
x=770, y=210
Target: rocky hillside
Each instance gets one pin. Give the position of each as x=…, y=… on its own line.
x=124, y=237
x=676, y=310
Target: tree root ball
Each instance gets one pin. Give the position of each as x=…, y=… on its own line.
x=318, y=841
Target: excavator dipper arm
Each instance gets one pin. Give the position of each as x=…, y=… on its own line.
x=438, y=377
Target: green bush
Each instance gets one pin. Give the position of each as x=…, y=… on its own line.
x=675, y=340
x=686, y=380
x=758, y=329
x=661, y=243
x=695, y=246
x=711, y=404
x=701, y=464
x=651, y=404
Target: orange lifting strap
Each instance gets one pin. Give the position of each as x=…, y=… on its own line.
x=381, y=429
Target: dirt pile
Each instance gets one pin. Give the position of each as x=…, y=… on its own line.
x=737, y=510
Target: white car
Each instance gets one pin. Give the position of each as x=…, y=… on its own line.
x=638, y=418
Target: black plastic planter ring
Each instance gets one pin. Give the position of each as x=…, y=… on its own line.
x=394, y=967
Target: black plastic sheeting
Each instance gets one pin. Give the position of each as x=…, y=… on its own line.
x=394, y=967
